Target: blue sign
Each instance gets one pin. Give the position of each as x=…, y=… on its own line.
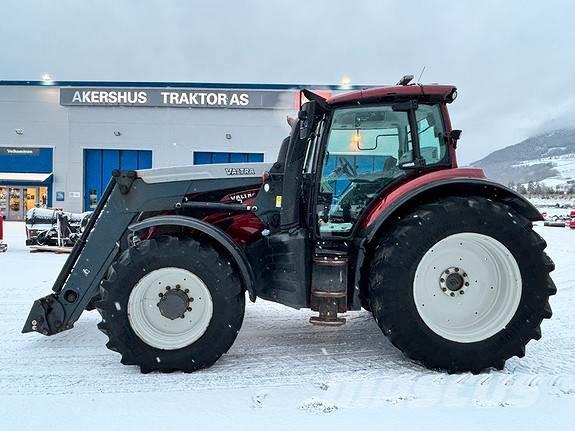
x=60, y=196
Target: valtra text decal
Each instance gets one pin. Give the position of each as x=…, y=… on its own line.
x=240, y=171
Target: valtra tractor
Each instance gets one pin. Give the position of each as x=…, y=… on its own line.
x=364, y=207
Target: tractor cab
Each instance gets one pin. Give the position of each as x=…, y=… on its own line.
x=342, y=157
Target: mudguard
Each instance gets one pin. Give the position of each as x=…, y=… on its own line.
x=216, y=234
x=459, y=181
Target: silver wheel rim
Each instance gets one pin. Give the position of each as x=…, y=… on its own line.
x=155, y=329
x=482, y=294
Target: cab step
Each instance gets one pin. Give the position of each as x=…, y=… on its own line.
x=329, y=287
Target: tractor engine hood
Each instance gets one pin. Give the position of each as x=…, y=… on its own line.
x=203, y=172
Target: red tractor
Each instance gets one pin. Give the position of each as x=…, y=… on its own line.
x=364, y=207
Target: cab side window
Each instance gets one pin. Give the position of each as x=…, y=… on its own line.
x=432, y=143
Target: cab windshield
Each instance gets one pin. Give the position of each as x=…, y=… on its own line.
x=366, y=149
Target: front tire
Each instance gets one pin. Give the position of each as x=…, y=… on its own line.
x=170, y=304
x=461, y=284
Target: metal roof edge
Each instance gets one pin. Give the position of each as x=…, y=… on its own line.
x=206, y=85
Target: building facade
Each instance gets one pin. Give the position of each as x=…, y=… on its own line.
x=59, y=142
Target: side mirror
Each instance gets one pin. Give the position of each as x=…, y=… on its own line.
x=306, y=118
x=455, y=135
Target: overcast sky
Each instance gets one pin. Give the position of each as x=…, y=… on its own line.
x=512, y=61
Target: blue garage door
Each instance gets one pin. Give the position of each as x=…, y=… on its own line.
x=98, y=167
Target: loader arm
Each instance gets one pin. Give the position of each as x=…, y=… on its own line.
x=128, y=194
x=80, y=277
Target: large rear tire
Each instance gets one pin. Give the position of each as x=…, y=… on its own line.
x=461, y=284
x=170, y=304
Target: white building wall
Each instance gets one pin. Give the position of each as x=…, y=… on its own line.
x=173, y=134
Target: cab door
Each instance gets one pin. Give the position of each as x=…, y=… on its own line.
x=368, y=150
x=364, y=152
x=282, y=259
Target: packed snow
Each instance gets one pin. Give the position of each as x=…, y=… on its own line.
x=281, y=373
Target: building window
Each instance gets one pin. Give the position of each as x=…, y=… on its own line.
x=210, y=158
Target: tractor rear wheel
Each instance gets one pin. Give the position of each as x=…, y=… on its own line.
x=170, y=304
x=461, y=284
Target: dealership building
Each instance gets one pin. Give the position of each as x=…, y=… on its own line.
x=60, y=141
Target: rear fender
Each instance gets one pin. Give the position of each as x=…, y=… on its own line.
x=433, y=186
x=407, y=197
x=219, y=236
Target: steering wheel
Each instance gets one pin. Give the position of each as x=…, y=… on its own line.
x=347, y=168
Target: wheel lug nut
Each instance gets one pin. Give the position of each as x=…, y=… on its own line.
x=467, y=283
x=461, y=292
x=177, y=287
x=452, y=294
x=465, y=274
x=168, y=288
x=160, y=294
x=444, y=288
x=456, y=269
x=187, y=291
x=189, y=308
x=182, y=316
x=442, y=279
x=191, y=299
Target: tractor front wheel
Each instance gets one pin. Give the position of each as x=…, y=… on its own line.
x=170, y=304
x=461, y=284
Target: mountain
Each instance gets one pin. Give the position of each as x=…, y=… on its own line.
x=548, y=159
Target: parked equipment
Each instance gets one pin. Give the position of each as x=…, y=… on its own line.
x=572, y=219
x=365, y=206
x=554, y=224
x=51, y=227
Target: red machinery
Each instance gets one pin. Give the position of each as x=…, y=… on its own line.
x=572, y=219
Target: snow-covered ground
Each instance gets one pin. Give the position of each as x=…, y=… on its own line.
x=281, y=373
x=563, y=164
x=564, y=204
x=551, y=207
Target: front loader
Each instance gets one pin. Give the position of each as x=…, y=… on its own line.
x=365, y=207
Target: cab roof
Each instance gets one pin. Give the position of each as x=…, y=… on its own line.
x=443, y=92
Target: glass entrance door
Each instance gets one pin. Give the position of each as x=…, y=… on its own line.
x=16, y=201
x=15, y=204
x=4, y=202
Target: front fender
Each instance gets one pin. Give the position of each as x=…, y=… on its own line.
x=216, y=234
